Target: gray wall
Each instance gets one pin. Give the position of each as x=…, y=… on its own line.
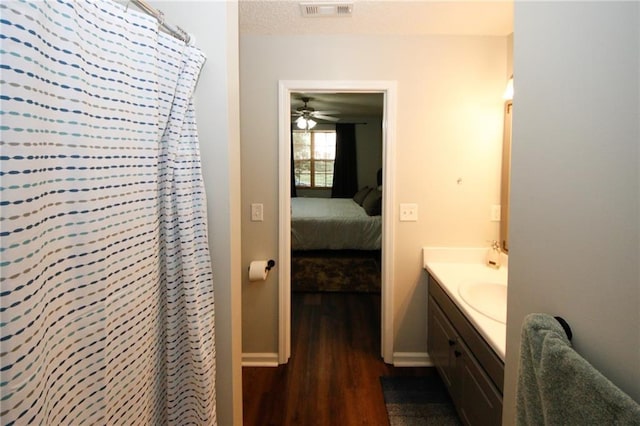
x=449, y=126
x=575, y=217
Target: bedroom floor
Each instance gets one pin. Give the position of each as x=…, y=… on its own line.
x=333, y=376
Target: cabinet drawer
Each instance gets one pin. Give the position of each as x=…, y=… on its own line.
x=486, y=357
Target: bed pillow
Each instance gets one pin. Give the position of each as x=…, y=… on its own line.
x=360, y=195
x=372, y=203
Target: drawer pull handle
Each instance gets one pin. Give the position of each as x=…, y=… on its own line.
x=452, y=342
x=458, y=354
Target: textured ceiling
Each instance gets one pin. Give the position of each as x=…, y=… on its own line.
x=383, y=17
x=277, y=17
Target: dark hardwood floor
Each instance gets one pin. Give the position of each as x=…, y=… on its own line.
x=333, y=376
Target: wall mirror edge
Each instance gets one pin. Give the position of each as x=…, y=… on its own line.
x=505, y=177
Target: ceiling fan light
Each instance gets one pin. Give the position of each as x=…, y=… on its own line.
x=311, y=124
x=301, y=123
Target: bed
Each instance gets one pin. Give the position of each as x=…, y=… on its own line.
x=335, y=224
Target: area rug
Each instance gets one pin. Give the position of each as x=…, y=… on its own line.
x=418, y=401
x=335, y=272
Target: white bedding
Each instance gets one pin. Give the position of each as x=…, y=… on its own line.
x=333, y=224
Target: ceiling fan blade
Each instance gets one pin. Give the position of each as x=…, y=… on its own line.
x=326, y=112
x=325, y=117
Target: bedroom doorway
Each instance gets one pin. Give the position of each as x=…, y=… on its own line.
x=312, y=96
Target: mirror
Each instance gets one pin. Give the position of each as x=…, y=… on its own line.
x=506, y=177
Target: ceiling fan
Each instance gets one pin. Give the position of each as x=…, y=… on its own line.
x=307, y=116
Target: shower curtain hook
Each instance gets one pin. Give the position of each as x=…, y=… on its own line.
x=186, y=37
x=160, y=17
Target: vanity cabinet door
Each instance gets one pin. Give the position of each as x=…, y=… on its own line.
x=441, y=343
x=477, y=399
x=480, y=403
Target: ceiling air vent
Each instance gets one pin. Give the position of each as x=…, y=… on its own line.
x=323, y=9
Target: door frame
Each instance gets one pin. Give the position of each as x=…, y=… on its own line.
x=285, y=89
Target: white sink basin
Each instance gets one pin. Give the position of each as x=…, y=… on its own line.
x=488, y=298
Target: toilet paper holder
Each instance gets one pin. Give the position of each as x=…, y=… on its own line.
x=259, y=269
x=270, y=264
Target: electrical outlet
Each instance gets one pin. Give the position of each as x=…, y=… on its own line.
x=257, y=212
x=495, y=213
x=408, y=212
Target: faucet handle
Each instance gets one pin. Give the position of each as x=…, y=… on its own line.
x=494, y=244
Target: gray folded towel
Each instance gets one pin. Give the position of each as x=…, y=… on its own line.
x=556, y=386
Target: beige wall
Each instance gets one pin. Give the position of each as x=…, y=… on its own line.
x=215, y=27
x=575, y=216
x=449, y=127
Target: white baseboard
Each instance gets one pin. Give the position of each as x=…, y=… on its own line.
x=400, y=359
x=412, y=359
x=258, y=359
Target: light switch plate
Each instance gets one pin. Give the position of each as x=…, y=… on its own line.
x=495, y=213
x=257, y=214
x=408, y=212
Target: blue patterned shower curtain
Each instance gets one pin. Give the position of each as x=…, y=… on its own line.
x=106, y=294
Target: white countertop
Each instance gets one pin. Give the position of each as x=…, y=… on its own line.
x=451, y=267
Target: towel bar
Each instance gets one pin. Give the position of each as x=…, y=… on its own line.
x=565, y=327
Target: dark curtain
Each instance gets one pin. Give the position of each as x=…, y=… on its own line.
x=345, y=171
x=294, y=193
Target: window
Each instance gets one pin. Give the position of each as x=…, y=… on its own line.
x=314, y=152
